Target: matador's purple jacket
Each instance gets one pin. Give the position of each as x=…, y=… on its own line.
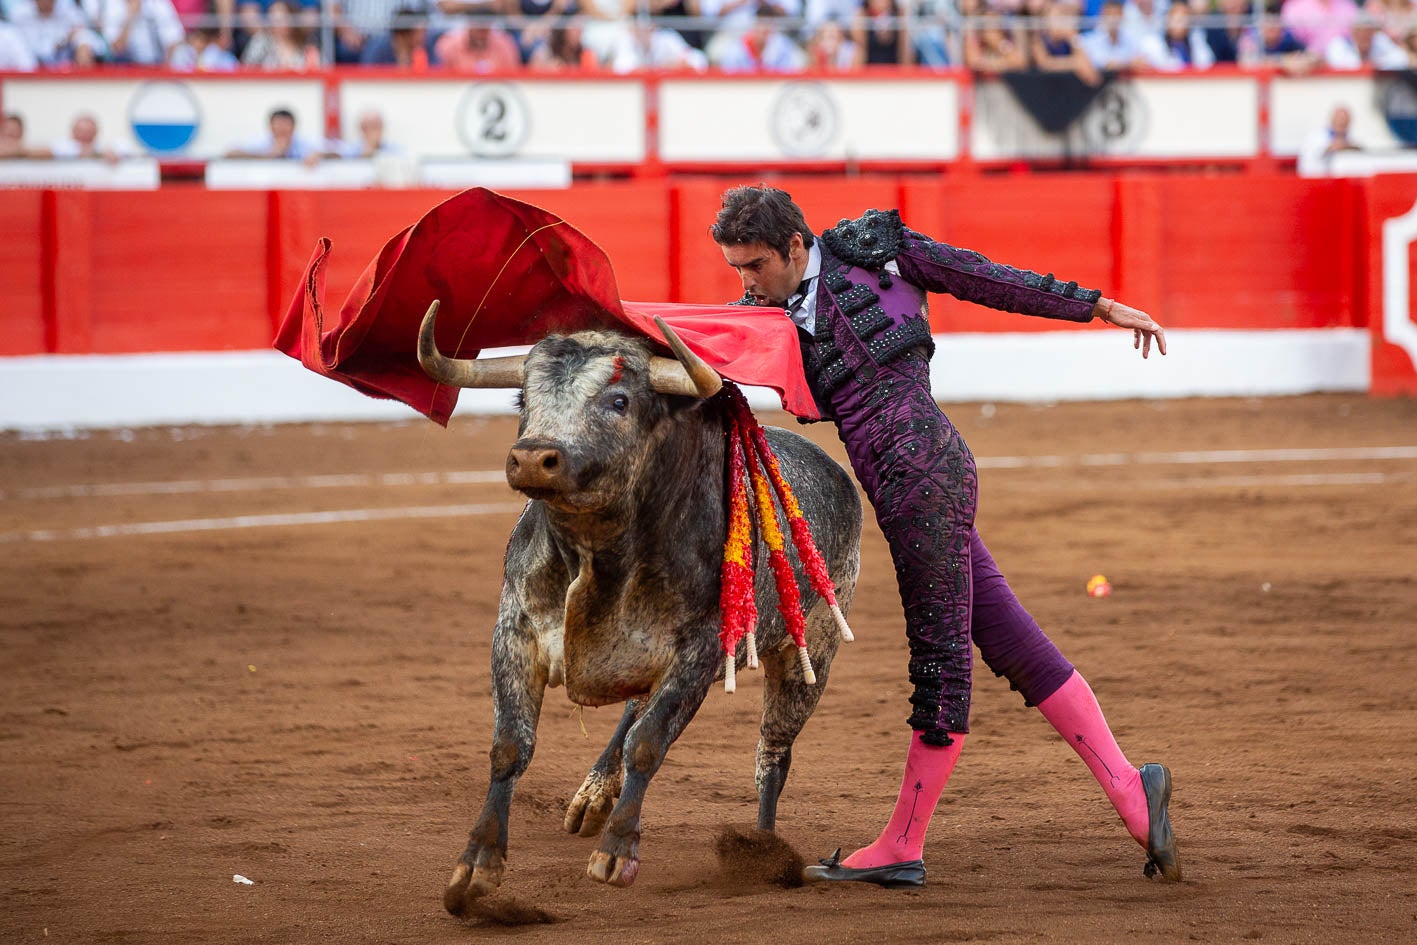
x=868, y=365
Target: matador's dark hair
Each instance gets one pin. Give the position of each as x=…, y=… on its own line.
x=760, y=214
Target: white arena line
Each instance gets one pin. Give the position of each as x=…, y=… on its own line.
x=262, y=521
x=454, y=511
x=486, y=476
x=260, y=484
x=1298, y=479
x=1335, y=454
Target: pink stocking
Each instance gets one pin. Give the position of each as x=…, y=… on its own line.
x=1074, y=712
x=927, y=768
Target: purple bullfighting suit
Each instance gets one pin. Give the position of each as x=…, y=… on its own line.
x=868, y=366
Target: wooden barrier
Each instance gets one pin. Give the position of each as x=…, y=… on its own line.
x=191, y=270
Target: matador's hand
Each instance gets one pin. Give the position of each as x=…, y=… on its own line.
x=1143, y=326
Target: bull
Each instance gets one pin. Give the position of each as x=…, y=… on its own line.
x=612, y=579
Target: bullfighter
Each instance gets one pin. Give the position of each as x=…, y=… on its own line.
x=858, y=296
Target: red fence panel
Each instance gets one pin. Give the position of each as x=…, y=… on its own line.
x=110, y=272
x=22, y=298
x=1256, y=252
x=165, y=271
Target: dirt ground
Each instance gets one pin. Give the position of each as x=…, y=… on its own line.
x=305, y=701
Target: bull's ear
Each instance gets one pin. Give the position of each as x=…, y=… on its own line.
x=464, y=372
x=669, y=377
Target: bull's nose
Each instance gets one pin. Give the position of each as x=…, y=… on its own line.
x=537, y=468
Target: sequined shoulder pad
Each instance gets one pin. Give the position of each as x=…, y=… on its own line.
x=870, y=241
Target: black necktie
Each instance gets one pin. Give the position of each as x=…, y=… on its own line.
x=800, y=295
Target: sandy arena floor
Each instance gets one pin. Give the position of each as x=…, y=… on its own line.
x=307, y=703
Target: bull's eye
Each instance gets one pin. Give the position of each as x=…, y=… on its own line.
x=619, y=403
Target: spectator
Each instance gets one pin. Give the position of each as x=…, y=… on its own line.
x=138, y=32
x=649, y=47
x=736, y=18
x=448, y=15
x=562, y=50
x=251, y=16
x=880, y=35
x=83, y=142
x=1057, y=47
x=928, y=31
x=1144, y=20
x=190, y=13
x=1399, y=17
x=15, y=56
x=989, y=43
x=371, y=142
x=606, y=23
x=56, y=32
x=282, y=45
x=764, y=47
x=280, y=143
x=536, y=20
x=1367, y=46
x=363, y=25
x=672, y=12
x=1182, y=46
x=830, y=49
x=1319, y=148
x=1224, y=39
x=405, y=44
x=478, y=48
x=1316, y=22
x=1108, y=46
x=203, y=52
x=1272, y=45
x=12, y=127
x=817, y=12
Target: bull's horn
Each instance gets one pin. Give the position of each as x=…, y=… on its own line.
x=464, y=372
x=690, y=375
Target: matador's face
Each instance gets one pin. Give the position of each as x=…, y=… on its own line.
x=767, y=276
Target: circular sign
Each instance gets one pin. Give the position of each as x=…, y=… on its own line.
x=164, y=116
x=493, y=119
x=804, y=119
x=1115, y=121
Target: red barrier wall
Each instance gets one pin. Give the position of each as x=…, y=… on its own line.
x=200, y=270
x=1394, y=369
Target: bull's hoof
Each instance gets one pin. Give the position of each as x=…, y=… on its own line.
x=614, y=870
x=467, y=884
x=590, y=808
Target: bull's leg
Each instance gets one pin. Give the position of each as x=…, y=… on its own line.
x=670, y=707
x=519, y=684
x=590, y=807
x=788, y=702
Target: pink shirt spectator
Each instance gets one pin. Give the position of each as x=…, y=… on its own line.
x=1316, y=22
x=190, y=11
x=478, y=49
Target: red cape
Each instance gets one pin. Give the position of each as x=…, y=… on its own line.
x=508, y=273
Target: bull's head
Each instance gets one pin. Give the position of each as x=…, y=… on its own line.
x=588, y=407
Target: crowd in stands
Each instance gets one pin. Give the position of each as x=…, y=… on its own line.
x=1085, y=37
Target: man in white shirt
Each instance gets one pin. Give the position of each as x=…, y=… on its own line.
x=1108, y=45
x=56, y=32
x=15, y=55
x=646, y=47
x=142, y=32
x=83, y=142
x=1367, y=46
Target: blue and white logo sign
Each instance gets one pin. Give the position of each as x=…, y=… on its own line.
x=164, y=116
